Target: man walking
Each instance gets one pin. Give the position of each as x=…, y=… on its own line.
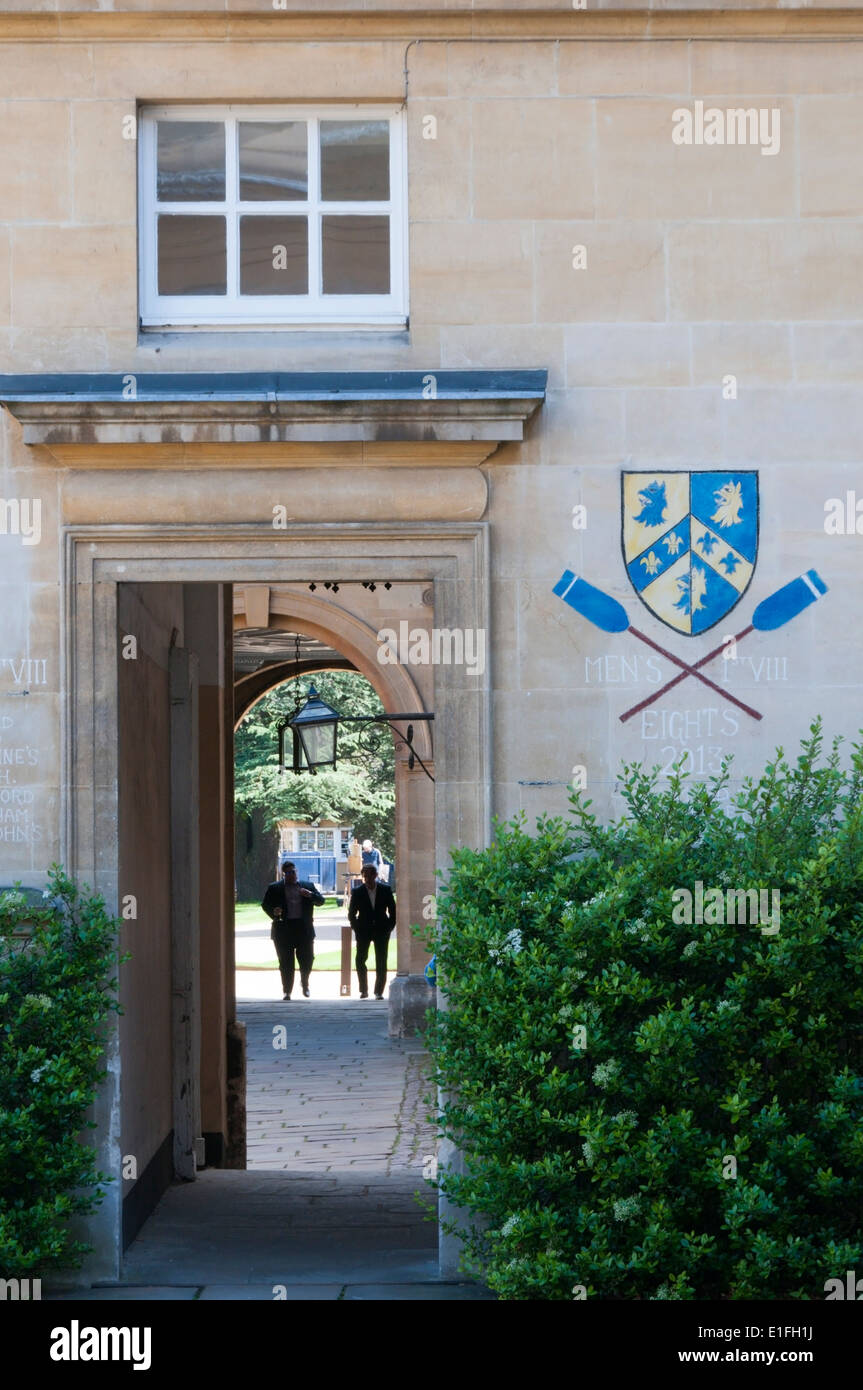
x=372, y=914
x=372, y=855
x=291, y=906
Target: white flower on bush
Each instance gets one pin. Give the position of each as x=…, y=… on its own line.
x=663, y=1292
x=725, y=1005
x=628, y=1116
x=511, y=946
x=512, y=1223
x=638, y=928
x=589, y=1153
x=39, y=1072
x=566, y=1012
x=690, y=948
x=44, y=1001
x=605, y=1073
x=626, y=1207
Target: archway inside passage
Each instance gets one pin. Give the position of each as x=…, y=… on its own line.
x=326, y=825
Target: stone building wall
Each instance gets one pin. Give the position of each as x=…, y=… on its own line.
x=702, y=264
x=697, y=307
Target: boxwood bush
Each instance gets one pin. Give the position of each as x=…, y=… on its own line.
x=55, y=994
x=646, y=1108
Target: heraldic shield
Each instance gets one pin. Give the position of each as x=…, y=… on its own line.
x=690, y=541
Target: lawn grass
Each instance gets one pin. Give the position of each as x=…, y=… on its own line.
x=327, y=960
x=251, y=915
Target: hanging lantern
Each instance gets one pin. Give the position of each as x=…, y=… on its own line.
x=314, y=730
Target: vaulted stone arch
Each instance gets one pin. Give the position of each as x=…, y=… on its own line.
x=313, y=616
x=249, y=690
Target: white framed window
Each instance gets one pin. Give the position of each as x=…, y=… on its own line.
x=271, y=215
x=305, y=840
x=325, y=840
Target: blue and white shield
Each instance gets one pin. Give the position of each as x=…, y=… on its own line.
x=690, y=541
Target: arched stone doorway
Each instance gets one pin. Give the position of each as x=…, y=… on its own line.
x=179, y=579
x=287, y=608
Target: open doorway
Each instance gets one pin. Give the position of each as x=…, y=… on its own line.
x=224, y=1081
x=148, y=754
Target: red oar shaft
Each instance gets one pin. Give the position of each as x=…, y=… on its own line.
x=687, y=670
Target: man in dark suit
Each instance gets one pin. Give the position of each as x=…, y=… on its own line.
x=291, y=906
x=372, y=914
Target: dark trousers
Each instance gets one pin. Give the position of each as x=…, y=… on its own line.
x=288, y=938
x=380, y=943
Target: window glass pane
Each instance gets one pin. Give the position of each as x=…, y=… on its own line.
x=325, y=840
x=273, y=160
x=356, y=255
x=274, y=255
x=191, y=162
x=192, y=257
x=355, y=161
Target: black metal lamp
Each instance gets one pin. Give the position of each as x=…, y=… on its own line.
x=315, y=732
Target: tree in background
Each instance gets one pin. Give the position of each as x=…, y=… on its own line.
x=360, y=792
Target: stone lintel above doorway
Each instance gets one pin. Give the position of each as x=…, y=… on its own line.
x=286, y=419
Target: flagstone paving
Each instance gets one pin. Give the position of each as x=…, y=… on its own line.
x=327, y=1208
x=329, y=1090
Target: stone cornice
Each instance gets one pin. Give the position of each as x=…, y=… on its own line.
x=775, y=20
x=230, y=417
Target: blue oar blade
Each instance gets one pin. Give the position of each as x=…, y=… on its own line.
x=779, y=608
x=600, y=609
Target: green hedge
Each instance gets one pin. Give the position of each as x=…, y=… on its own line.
x=608, y=1067
x=55, y=995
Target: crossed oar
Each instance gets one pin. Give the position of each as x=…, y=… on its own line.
x=606, y=613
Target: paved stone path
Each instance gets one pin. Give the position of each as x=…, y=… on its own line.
x=332, y=1092
x=337, y=1140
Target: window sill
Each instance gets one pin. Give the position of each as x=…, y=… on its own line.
x=262, y=336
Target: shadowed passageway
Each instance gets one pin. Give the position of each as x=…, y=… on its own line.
x=337, y=1141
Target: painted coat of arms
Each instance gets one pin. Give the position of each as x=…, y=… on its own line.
x=690, y=541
